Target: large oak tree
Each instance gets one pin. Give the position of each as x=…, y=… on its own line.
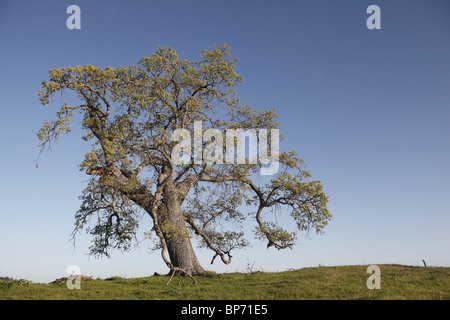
x=131, y=113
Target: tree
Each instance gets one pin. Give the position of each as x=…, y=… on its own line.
x=135, y=117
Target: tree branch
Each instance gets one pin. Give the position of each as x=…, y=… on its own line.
x=208, y=241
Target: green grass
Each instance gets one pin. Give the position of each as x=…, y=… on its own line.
x=343, y=282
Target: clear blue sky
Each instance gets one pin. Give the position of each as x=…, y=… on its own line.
x=368, y=110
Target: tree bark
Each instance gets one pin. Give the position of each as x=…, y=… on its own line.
x=176, y=236
x=171, y=221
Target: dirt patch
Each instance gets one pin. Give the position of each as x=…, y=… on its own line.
x=74, y=277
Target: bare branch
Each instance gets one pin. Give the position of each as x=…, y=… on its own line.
x=208, y=241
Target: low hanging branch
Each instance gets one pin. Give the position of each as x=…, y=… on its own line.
x=208, y=241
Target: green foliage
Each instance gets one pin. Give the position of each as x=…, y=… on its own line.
x=8, y=283
x=130, y=113
x=277, y=234
x=117, y=218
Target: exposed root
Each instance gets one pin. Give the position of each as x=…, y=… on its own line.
x=175, y=269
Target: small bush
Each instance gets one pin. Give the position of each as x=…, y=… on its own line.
x=113, y=278
x=8, y=283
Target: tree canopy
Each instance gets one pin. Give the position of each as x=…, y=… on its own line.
x=134, y=116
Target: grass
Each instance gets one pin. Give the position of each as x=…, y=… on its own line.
x=398, y=282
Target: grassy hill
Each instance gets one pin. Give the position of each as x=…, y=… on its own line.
x=342, y=282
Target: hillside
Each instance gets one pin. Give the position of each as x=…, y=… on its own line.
x=341, y=282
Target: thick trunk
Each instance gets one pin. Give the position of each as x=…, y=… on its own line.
x=179, y=247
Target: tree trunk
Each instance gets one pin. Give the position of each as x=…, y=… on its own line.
x=173, y=227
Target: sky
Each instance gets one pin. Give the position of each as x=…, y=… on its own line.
x=367, y=109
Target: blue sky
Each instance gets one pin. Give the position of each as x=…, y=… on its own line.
x=368, y=110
